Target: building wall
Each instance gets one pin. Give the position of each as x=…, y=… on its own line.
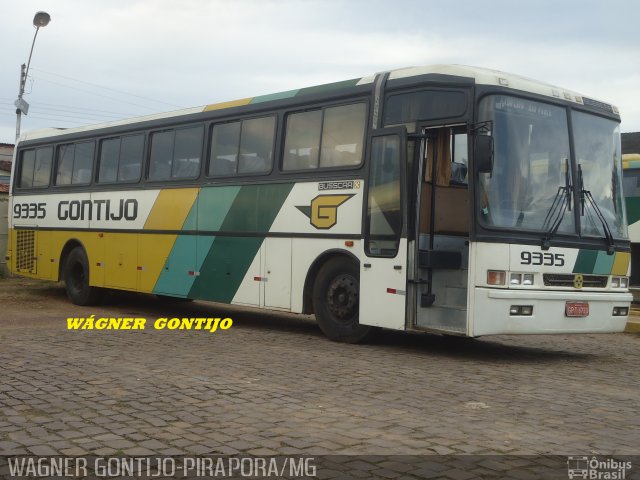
x=4, y=204
x=6, y=154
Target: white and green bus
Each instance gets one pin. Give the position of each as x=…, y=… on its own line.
x=446, y=199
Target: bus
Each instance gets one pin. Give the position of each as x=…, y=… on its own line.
x=446, y=198
x=631, y=188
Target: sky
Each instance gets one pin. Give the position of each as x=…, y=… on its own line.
x=103, y=60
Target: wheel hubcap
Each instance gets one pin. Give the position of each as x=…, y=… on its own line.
x=343, y=297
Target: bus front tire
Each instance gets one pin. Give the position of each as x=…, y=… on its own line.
x=76, y=278
x=336, y=301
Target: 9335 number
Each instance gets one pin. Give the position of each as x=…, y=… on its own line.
x=29, y=210
x=538, y=258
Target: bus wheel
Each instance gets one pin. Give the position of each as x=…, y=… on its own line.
x=76, y=278
x=336, y=301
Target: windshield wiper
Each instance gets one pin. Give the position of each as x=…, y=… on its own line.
x=587, y=198
x=561, y=203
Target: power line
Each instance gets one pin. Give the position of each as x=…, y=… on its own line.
x=96, y=94
x=73, y=109
x=107, y=88
x=79, y=114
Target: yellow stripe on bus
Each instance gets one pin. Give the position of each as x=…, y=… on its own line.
x=171, y=209
x=153, y=252
x=232, y=103
x=621, y=263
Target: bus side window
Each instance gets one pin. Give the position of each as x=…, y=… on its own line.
x=161, y=155
x=131, y=152
x=27, y=164
x=187, y=152
x=331, y=137
x=302, y=140
x=82, y=163
x=223, y=157
x=64, y=168
x=342, y=135
x=460, y=162
x=108, y=163
x=256, y=145
x=243, y=147
x=75, y=163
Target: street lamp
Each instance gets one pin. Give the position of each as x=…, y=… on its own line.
x=41, y=19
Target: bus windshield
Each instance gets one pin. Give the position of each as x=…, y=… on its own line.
x=531, y=185
x=598, y=154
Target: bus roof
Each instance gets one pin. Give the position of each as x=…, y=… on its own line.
x=481, y=76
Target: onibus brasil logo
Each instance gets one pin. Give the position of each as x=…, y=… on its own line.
x=323, y=211
x=598, y=469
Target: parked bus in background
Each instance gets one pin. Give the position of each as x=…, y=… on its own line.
x=447, y=199
x=631, y=187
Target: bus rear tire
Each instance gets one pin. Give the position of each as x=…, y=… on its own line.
x=76, y=278
x=336, y=301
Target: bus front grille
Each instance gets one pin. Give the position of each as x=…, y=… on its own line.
x=569, y=280
x=26, y=251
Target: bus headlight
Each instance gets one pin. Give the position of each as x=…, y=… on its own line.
x=522, y=310
x=516, y=279
x=619, y=282
x=620, y=311
x=527, y=279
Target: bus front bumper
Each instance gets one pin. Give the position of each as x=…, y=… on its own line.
x=493, y=312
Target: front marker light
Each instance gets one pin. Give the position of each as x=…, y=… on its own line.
x=496, y=277
x=526, y=310
x=620, y=311
x=527, y=279
x=516, y=279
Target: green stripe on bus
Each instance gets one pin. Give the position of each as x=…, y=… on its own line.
x=214, y=204
x=633, y=209
x=604, y=264
x=188, y=252
x=274, y=96
x=253, y=211
x=329, y=87
x=224, y=268
x=586, y=261
x=174, y=278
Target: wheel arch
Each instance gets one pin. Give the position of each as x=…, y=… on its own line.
x=312, y=273
x=66, y=250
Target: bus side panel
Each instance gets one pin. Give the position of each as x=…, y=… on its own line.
x=153, y=254
x=250, y=290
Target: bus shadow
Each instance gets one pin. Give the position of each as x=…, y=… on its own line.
x=486, y=349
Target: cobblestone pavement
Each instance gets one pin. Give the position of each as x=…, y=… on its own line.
x=272, y=384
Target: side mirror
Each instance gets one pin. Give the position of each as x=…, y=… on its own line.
x=483, y=153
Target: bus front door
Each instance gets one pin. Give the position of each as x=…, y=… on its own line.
x=383, y=265
x=440, y=271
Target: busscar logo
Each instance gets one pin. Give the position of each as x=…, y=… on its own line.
x=323, y=211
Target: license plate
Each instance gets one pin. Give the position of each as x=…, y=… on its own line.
x=576, y=309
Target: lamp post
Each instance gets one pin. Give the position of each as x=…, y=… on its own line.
x=41, y=19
